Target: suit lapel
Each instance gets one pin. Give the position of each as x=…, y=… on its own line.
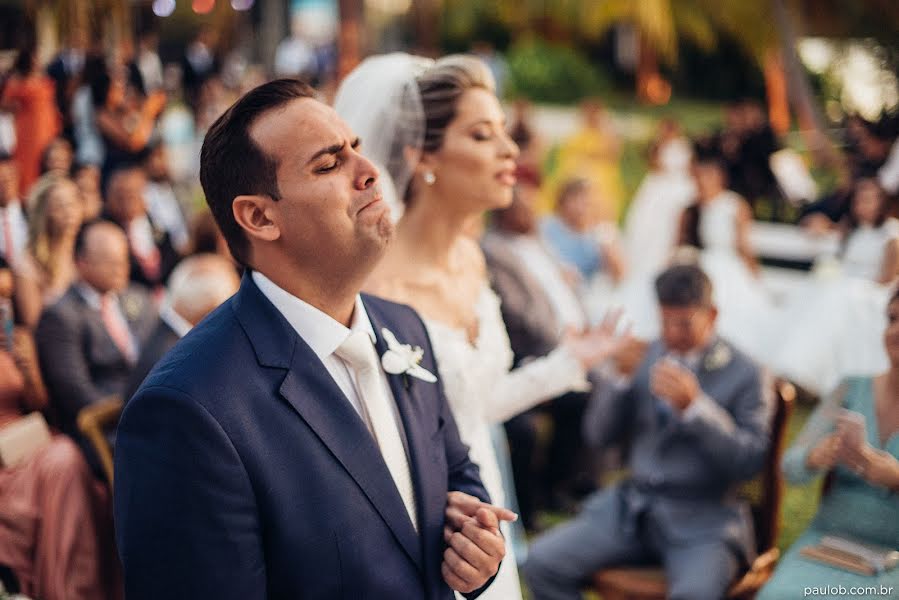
x=100, y=334
x=315, y=396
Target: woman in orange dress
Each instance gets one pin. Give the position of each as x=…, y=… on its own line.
x=30, y=95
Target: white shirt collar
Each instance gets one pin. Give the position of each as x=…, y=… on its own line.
x=170, y=317
x=323, y=334
x=13, y=208
x=90, y=295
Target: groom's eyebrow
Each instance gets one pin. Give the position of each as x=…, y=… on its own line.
x=334, y=149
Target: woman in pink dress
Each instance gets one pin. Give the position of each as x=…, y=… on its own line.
x=30, y=95
x=55, y=527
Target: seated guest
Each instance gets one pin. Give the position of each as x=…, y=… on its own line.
x=861, y=503
x=13, y=226
x=57, y=158
x=197, y=286
x=698, y=417
x=52, y=537
x=584, y=246
x=88, y=341
x=87, y=177
x=538, y=306
x=55, y=220
x=162, y=204
x=153, y=255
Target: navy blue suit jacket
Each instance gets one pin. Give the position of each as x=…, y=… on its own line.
x=242, y=472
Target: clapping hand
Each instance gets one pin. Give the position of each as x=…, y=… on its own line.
x=629, y=355
x=874, y=466
x=826, y=452
x=475, y=547
x=674, y=384
x=596, y=344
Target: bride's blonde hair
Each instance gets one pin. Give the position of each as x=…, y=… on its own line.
x=442, y=85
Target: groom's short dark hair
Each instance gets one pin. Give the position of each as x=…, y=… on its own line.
x=232, y=164
x=684, y=285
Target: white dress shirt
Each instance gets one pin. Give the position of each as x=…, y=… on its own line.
x=170, y=317
x=164, y=210
x=94, y=300
x=18, y=226
x=324, y=335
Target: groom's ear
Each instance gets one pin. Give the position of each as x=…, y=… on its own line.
x=255, y=215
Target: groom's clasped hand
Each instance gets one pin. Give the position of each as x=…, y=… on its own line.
x=474, y=545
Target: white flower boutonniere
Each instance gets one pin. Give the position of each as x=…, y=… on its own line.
x=404, y=359
x=718, y=357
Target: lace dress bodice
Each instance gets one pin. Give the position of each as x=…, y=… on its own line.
x=481, y=389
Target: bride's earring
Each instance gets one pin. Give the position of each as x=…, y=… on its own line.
x=429, y=177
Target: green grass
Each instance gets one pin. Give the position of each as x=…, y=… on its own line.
x=800, y=501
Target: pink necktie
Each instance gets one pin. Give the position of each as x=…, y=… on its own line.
x=117, y=328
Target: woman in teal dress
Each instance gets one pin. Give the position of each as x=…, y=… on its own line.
x=863, y=500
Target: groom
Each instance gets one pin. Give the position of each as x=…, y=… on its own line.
x=269, y=455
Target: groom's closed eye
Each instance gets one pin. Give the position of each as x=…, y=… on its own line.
x=334, y=152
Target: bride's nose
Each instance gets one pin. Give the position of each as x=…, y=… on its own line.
x=508, y=148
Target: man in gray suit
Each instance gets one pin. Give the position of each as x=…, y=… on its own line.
x=698, y=413
x=89, y=340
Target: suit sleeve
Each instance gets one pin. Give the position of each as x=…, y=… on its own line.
x=464, y=475
x=65, y=368
x=610, y=412
x=186, y=520
x=736, y=440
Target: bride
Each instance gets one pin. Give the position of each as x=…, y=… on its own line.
x=438, y=130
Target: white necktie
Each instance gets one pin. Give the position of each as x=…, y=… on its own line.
x=359, y=353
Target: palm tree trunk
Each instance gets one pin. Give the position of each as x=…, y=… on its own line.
x=272, y=29
x=811, y=123
x=349, y=36
x=426, y=15
x=651, y=86
x=776, y=92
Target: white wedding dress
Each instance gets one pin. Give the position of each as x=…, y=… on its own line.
x=482, y=391
x=651, y=226
x=746, y=312
x=833, y=327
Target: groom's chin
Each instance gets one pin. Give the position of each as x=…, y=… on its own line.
x=385, y=228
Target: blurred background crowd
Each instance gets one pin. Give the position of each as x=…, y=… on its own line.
x=757, y=140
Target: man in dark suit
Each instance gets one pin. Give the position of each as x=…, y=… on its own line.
x=151, y=249
x=268, y=455
x=197, y=286
x=698, y=415
x=89, y=340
